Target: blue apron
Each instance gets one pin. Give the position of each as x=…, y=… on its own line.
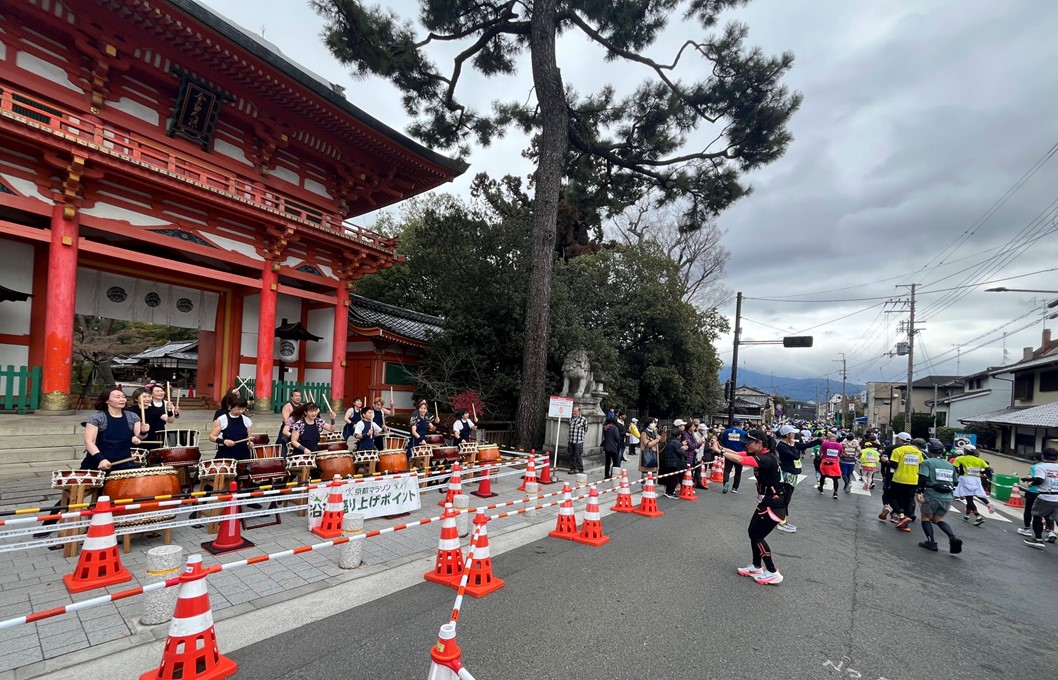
x=235, y=431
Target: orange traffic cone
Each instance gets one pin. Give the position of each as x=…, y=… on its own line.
x=191, y=650
x=567, y=520
x=545, y=474
x=591, y=529
x=1016, y=499
x=687, y=487
x=624, y=496
x=530, y=471
x=485, y=485
x=229, y=538
x=455, y=485
x=717, y=475
x=99, y=564
x=449, y=563
x=480, y=581
x=446, y=656
x=703, y=476
x=648, y=502
x=331, y=524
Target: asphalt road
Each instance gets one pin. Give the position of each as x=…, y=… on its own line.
x=662, y=600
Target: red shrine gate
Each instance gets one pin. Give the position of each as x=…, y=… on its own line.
x=159, y=163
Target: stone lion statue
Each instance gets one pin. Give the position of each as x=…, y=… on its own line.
x=576, y=374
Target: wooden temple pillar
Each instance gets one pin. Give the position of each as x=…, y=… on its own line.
x=338, y=345
x=59, y=312
x=266, y=332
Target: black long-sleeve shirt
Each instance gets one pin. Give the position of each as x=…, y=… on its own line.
x=790, y=454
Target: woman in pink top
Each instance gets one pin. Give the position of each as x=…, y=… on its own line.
x=830, y=462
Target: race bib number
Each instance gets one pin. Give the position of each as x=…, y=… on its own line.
x=797, y=465
x=973, y=472
x=734, y=437
x=944, y=475
x=911, y=459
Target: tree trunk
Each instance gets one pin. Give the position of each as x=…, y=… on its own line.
x=553, y=144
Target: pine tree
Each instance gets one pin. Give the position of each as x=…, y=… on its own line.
x=611, y=149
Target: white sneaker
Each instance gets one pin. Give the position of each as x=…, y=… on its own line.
x=1024, y=531
x=1034, y=543
x=787, y=528
x=750, y=570
x=768, y=578
x=1052, y=537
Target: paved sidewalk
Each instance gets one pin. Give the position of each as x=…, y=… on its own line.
x=31, y=580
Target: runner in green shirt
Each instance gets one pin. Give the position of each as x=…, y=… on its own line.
x=937, y=479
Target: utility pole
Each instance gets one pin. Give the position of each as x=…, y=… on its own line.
x=844, y=375
x=828, y=396
x=910, y=360
x=734, y=360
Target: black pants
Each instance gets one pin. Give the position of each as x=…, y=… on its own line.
x=576, y=457
x=903, y=498
x=887, y=492
x=823, y=482
x=759, y=527
x=787, y=492
x=671, y=482
x=632, y=449
x=728, y=466
x=613, y=459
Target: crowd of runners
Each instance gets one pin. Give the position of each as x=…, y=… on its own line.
x=919, y=479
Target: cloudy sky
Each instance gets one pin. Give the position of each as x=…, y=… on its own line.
x=920, y=156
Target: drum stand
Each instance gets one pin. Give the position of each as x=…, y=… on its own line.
x=303, y=474
x=126, y=540
x=73, y=495
x=220, y=485
x=273, y=505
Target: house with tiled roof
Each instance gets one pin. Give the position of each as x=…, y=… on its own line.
x=1030, y=421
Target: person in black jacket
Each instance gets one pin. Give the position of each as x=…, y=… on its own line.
x=790, y=451
x=673, y=459
x=612, y=443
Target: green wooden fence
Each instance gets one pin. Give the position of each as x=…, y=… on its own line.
x=19, y=388
x=281, y=390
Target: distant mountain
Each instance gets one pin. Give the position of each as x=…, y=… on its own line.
x=801, y=389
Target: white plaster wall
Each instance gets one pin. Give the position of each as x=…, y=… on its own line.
x=321, y=322
x=16, y=273
x=247, y=370
x=115, y=212
x=246, y=249
x=318, y=375
x=135, y=109
x=231, y=151
x=251, y=306
x=316, y=188
x=403, y=400
x=14, y=355
x=52, y=72
x=285, y=174
x=286, y=307
x=23, y=186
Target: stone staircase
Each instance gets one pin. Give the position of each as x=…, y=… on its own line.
x=58, y=441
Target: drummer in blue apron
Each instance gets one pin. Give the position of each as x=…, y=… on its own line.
x=110, y=434
x=231, y=431
x=366, y=430
x=420, y=425
x=463, y=428
x=306, y=428
x=352, y=417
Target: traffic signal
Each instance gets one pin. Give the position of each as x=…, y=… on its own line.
x=797, y=341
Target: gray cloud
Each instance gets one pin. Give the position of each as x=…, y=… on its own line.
x=917, y=117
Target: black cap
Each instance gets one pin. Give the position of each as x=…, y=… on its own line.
x=756, y=435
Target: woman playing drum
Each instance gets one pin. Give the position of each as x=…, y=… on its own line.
x=380, y=419
x=110, y=433
x=224, y=402
x=352, y=417
x=366, y=431
x=231, y=431
x=422, y=423
x=463, y=428
x=305, y=428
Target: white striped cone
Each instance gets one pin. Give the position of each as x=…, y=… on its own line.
x=687, y=487
x=191, y=649
x=331, y=523
x=455, y=485
x=530, y=470
x=449, y=564
x=591, y=530
x=99, y=564
x=624, y=495
x=648, y=501
x=566, y=527
x=480, y=581
x=445, y=655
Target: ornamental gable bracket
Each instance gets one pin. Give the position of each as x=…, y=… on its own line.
x=101, y=58
x=277, y=242
x=68, y=183
x=271, y=135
